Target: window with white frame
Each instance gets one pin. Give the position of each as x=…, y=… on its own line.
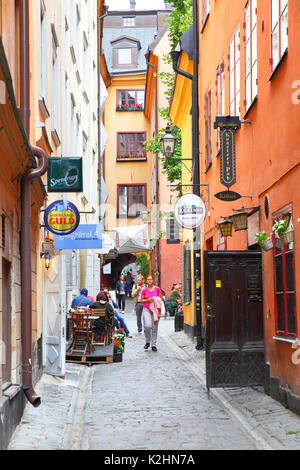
x=279, y=31
x=234, y=74
x=85, y=71
x=129, y=21
x=55, y=81
x=207, y=118
x=43, y=51
x=250, y=37
x=220, y=94
x=205, y=9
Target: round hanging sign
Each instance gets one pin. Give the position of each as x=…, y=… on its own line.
x=62, y=217
x=190, y=211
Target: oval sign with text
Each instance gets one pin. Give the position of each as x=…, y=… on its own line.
x=62, y=217
x=190, y=211
x=228, y=196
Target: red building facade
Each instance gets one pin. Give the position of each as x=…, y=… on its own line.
x=249, y=68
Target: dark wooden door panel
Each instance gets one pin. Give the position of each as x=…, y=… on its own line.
x=234, y=320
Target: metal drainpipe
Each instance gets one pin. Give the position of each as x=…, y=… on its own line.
x=26, y=237
x=156, y=172
x=196, y=172
x=26, y=287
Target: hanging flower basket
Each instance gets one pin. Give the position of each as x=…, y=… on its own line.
x=267, y=244
x=287, y=237
x=264, y=241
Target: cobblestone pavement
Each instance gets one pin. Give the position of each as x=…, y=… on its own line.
x=152, y=401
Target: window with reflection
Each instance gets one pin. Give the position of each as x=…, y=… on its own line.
x=284, y=268
x=131, y=200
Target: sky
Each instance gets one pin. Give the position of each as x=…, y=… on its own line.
x=140, y=4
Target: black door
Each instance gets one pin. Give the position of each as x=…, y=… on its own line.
x=234, y=318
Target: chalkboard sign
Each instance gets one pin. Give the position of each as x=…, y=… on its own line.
x=254, y=286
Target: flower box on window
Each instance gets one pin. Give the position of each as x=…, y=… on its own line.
x=130, y=107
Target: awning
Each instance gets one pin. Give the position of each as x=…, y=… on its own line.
x=132, y=239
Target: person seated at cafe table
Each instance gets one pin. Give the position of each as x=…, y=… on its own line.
x=81, y=300
x=100, y=303
x=119, y=320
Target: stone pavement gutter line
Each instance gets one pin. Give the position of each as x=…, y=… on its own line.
x=268, y=423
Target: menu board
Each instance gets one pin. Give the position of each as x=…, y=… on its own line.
x=254, y=286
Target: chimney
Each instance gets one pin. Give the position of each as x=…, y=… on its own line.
x=132, y=4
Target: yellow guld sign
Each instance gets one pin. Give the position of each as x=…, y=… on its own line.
x=218, y=284
x=62, y=217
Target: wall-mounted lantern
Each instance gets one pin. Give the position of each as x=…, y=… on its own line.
x=240, y=220
x=48, y=259
x=168, y=142
x=225, y=228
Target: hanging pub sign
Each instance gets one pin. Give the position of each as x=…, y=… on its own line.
x=85, y=237
x=190, y=211
x=65, y=174
x=227, y=126
x=61, y=217
x=228, y=196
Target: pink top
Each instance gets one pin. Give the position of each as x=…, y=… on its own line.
x=147, y=293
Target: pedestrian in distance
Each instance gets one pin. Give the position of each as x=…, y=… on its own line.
x=120, y=289
x=175, y=296
x=136, y=299
x=128, y=284
x=81, y=300
x=119, y=320
x=148, y=298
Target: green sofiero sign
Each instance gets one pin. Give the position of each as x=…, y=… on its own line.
x=65, y=174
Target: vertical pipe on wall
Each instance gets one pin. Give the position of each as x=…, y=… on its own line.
x=26, y=237
x=196, y=170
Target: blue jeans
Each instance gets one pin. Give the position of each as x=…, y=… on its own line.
x=120, y=322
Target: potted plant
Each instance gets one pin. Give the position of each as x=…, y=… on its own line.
x=265, y=242
x=118, y=350
x=282, y=229
x=120, y=336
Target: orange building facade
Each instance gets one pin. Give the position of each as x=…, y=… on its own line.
x=249, y=68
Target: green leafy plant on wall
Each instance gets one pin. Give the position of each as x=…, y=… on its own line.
x=179, y=20
x=143, y=263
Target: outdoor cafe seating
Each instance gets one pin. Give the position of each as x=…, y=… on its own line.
x=90, y=328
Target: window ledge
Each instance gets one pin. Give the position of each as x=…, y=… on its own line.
x=131, y=159
x=204, y=22
x=250, y=107
x=12, y=391
x=278, y=64
x=292, y=341
x=208, y=167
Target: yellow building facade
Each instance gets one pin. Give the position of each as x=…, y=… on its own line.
x=180, y=114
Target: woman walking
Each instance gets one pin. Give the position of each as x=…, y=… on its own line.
x=148, y=295
x=121, y=293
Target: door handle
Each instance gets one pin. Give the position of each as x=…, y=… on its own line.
x=209, y=309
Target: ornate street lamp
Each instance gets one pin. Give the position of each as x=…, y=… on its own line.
x=240, y=220
x=168, y=142
x=225, y=228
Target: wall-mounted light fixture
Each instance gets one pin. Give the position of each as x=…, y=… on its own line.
x=225, y=228
x=47, y=257
x=240, y=220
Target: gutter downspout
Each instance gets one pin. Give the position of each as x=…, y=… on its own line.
x=26, y=287
x=196, y=173
x=26, y=236
x=156, y=169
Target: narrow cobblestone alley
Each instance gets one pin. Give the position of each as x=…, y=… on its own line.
x=150, y=401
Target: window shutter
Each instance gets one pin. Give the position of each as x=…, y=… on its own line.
x=172, y=231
